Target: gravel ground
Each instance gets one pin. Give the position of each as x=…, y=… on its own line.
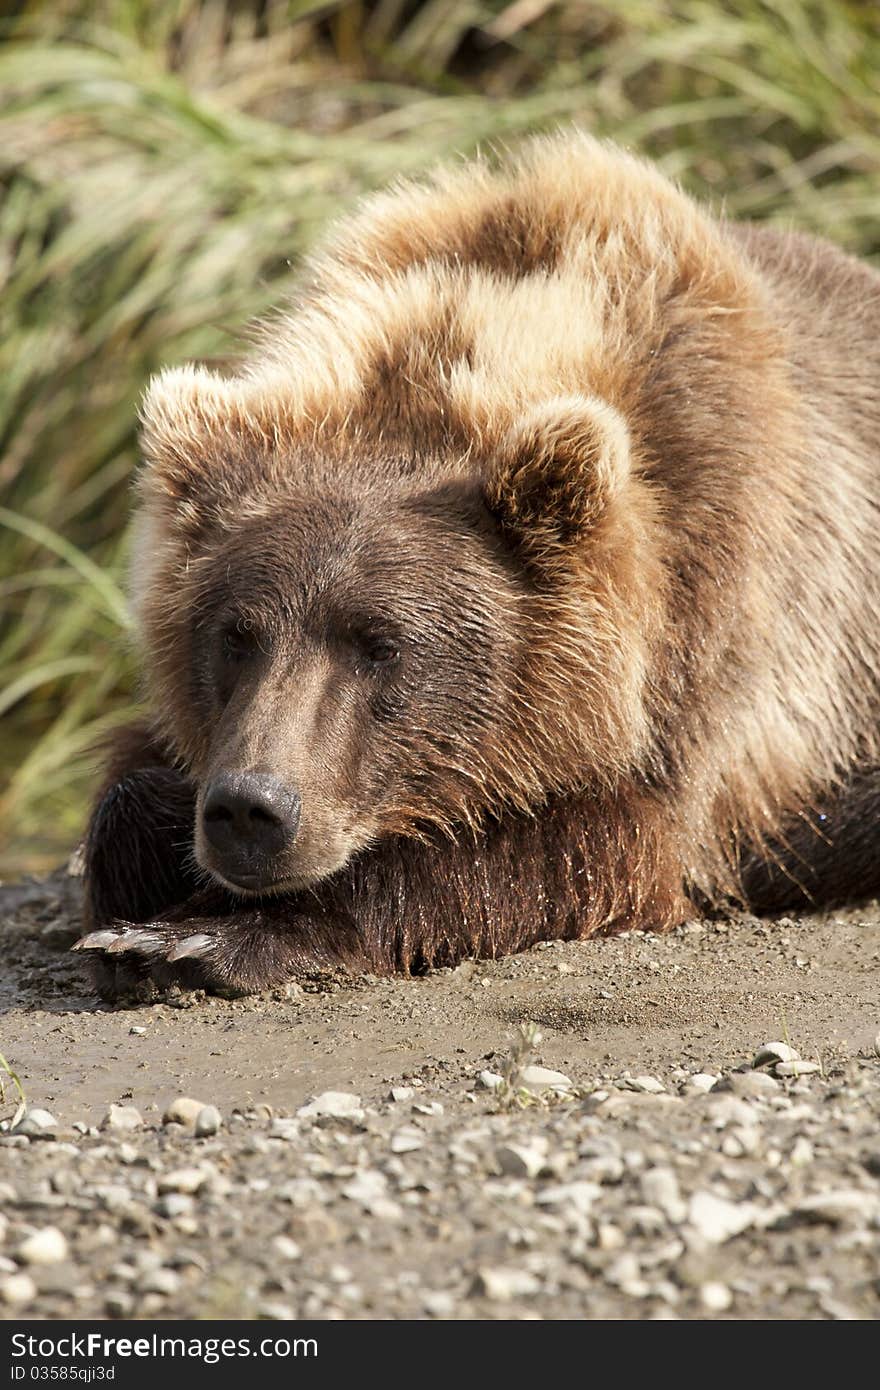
x=593, y=1130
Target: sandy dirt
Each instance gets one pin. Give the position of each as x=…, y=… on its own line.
x=698, y=1002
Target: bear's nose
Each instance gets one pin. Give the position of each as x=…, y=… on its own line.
x=249, y=818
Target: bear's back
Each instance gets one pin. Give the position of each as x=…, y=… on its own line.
x=439, y=312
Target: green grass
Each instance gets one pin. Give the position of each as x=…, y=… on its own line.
x=164, y=163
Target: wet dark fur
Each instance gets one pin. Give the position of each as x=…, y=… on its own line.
x=406, y=908
x=414, y=905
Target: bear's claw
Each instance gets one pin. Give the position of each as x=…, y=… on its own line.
x=197, y=945
x=95, y=941
x=136, y=941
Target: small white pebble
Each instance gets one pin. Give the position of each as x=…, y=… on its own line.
x=161, y=1281
x=183, y=1110
x=701, y=1082
x=716, y=1297
x=438, y=1304
x=652, y=1085
x=286, y=1248
x=773, y=1052
x=502, y=1285
x=798, y=1068
x=208, y=1121
x=275, y=1312
x=122, y=1117
x=174, y=1204
x=17, y=1290
x=537, y=1079
x=341, y=1105
x=522, y=1160
x=47, y=1246
x=406, y=1141
x=36, y=1123
x=184, y=1180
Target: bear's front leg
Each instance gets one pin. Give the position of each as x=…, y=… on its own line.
x=138, y=847
x=577, y=868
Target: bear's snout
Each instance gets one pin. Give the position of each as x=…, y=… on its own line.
x=249, y=819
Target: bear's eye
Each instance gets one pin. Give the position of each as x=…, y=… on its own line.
x=381, y=651
x=237, y=642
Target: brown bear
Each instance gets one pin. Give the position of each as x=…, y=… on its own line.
x=522, y=584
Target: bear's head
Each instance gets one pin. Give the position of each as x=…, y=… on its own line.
x=346, y=640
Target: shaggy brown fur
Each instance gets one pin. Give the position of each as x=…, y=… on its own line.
x=536, y=548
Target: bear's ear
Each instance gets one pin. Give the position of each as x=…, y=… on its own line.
x=192, y=426
x=555, y=472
